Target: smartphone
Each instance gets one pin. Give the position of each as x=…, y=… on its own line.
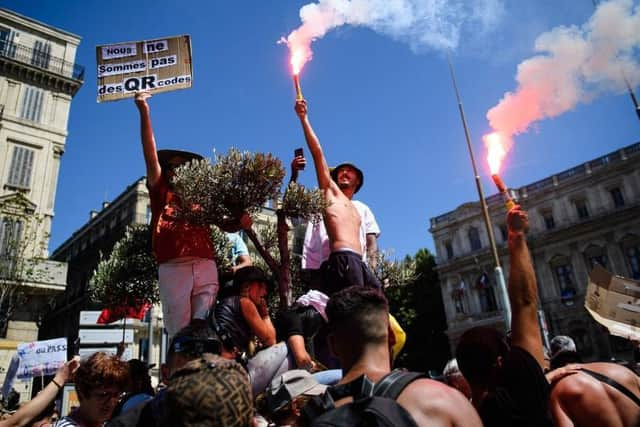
x=298, y=152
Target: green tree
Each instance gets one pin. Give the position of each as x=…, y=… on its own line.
x=22, y=253
x=241, y=182
x=419, y=309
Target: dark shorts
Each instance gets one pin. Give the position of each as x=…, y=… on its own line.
x=344, y=269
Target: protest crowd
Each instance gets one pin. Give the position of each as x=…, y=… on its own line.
x=328, y=359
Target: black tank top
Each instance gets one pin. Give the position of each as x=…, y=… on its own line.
x=230, y=319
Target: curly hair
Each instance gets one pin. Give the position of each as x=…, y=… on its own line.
x=100, y=369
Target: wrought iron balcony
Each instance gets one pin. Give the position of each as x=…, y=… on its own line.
x=41, y=59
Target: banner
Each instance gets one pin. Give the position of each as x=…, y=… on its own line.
x=41, y=357
x=614, y=302
x=158, y=65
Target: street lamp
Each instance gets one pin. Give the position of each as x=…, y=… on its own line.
x=502, y=288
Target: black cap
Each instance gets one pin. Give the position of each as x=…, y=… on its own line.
x=165, y=155
x=334, y=173
x=250, y=274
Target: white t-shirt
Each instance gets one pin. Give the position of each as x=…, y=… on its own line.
x=316, y=250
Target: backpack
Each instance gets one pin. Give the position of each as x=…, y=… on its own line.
x=374, y=404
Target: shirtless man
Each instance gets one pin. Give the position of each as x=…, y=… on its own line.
x=358, y=335
x=579, y=399
x=342, y=220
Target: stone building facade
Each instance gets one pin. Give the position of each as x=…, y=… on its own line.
x=579, y=217
x=38, y=80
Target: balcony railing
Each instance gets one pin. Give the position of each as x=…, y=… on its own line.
x=41, y=59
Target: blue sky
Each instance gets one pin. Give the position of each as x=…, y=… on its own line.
x=373, y=101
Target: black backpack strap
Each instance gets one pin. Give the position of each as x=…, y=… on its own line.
x=315, y=407
x=392, y=384
x=613, y=383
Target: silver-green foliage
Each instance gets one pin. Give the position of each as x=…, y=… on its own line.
x=298, y=202
x=238, y=182
x=130, y=274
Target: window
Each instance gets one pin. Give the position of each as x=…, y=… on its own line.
x=549, y=222
x=487, y=295
x=503, y=232
x=32, y=103
x=7, y=48
x=449, y=249
x=148, y=216
x=618, y=198
x=563, y=271
x=21, y=167
x=581, y=209
x=10, y=236
x=631, y=249
x=595, y=255
x=41, y=54
x=474, y=239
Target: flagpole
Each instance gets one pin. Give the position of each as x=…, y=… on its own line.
x=502, y=288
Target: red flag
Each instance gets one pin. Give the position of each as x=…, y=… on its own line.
x=110, y=315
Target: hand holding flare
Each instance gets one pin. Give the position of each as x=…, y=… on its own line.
x=296, y=82
x=496, y=151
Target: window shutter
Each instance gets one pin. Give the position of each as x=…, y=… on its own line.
x=21, y=167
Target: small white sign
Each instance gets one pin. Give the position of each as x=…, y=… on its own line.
x=104, y=336
x=155, y=46
x=119, y=50
x=41, y=357
x=121, y=68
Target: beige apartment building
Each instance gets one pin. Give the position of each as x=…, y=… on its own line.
x=579, y=217
x=38, y=80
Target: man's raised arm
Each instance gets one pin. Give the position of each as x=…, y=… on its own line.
x=148, y=140
x=322, y=170
x=523, y=289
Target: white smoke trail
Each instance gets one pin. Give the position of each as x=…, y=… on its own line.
x=574, y=65
x=434, y=24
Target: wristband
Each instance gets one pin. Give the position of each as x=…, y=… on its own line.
x=56, y=383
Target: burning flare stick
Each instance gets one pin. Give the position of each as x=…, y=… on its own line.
x=508, y=201
x=296, y=82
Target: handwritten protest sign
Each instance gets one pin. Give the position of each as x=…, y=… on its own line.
x=41, y=357
x=158, y=65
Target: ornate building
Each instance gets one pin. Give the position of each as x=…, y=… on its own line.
x=38, y=80
x=579, y=217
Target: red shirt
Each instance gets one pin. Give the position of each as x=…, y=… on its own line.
x=172, y=237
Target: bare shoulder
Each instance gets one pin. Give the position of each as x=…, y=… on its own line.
x=435, y=404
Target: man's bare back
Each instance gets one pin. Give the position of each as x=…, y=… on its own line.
x=581, y=400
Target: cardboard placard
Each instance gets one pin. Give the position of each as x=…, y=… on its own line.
x=614, y=302
x=158, y=65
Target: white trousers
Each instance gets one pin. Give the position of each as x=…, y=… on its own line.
x=188, y=288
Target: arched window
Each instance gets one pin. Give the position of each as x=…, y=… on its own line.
x=457, y=295
x=563, y=272
x=474, y=239
x=486, y=293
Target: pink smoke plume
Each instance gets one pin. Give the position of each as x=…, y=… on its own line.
x=574, y=65
x=435, y=24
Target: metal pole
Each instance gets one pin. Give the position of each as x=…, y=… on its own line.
x=483, y=204
x=150, y=340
